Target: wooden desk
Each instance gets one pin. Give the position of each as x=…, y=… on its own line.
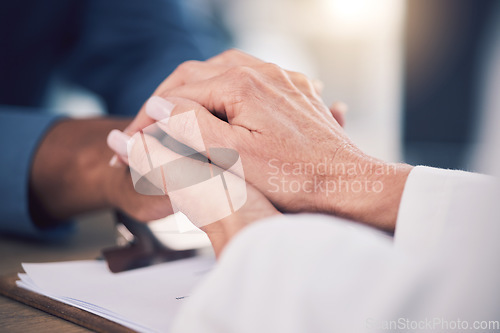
x=95, y=232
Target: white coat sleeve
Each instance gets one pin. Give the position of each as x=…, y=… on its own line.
x=316, y=273
x=294, y=274
x=437, y=203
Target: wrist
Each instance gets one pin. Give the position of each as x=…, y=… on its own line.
x=366, y=190
x=222, y=231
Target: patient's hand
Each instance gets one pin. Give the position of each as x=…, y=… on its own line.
x=216, y=199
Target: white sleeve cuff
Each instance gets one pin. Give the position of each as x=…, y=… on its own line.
x=435, y=200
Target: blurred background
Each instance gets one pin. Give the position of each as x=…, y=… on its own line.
x=410, y=70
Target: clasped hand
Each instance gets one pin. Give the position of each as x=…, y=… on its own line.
x=293, y=149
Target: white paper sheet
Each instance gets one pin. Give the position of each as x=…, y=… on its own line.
x=145, y=300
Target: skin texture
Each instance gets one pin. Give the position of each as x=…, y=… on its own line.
x=269, y=114
x=195, y=71
x=269, y=119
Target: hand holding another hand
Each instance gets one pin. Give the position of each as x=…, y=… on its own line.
x=292, y=149
x=194, y=71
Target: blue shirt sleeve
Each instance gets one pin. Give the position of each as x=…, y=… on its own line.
x=20, y=133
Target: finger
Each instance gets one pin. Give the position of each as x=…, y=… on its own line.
x=338, y=110
x=318, y=86
x=193, y=71
x=157, y=170
x=204, y=192
x=194, y=126
x=235, y=57
x=190, y=71
x=117, y=141
x=116, y=162
x=304, y=84
x=190, y=123
x=147, y=157
x=217, y=94
x=222, y=94
x=135, y=152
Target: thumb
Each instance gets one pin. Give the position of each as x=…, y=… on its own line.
x=192, y=125
x=202, y=191
x=338, y=110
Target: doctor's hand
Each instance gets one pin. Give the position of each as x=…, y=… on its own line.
x=193, y=71
x=292, y=149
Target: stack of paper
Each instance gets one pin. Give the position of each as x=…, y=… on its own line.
x=145, y=300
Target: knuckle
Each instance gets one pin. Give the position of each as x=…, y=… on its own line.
x=231, y=53
x=242, y=75
x=277, y=74
x=273, y=69
x=299, y=78
x=241, y=71
x=187, y=66
x=303, y=83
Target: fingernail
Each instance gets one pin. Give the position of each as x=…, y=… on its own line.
x=117, y=141
x=159, y=108
x=115, y=162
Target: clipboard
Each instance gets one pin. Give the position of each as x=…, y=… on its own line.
x=8, y=288
x=143, y=249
